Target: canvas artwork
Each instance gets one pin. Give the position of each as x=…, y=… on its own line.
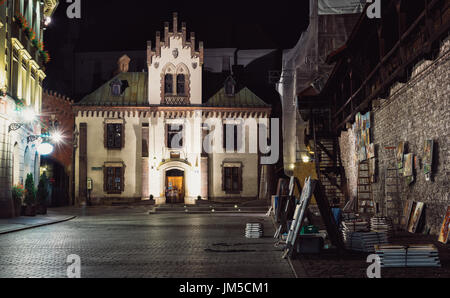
x=444, y=235
x=362, y=154
x=428, y=159
x=372, y=170
x=371, y=151
x=409, y=207
x=408, y=167
x=415, y=219
x=399, y=155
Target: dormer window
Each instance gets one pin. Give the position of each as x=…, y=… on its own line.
x=230, y=87
x=116, y=87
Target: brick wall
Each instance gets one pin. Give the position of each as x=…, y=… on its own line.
x=53, y=103
x=414, y=112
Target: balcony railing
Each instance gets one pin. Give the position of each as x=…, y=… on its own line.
x=175, y=100
x=17, y=33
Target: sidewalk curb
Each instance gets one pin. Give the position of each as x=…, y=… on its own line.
x=38, y=225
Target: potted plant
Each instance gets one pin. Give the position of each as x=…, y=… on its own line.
x=30, y=196
x=17, y=194
x=42, y=195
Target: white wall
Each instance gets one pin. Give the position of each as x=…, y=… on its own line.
x=184, y=56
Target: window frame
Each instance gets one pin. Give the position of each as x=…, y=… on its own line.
x=232, y=178
x=170, y=131
x=118, y=172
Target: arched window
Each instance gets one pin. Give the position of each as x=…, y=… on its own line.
x=27, y=162
x=168, y=84
x=181, y=81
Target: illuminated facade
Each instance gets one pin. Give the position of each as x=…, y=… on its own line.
x=22, y=60
x=127, y=129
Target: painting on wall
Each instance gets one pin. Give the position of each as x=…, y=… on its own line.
x=363, y=139
x=407, y=212
x=428, y=159
x=371, y=151
x=444, y=235
x=416, y=216
x=400, y=155
x=372, y=170
x=408, y=167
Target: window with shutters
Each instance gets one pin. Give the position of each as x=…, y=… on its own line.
x=114, y=180
x=232, y=179
x=114, y=136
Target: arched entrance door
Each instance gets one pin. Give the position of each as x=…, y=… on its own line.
x=175, y=186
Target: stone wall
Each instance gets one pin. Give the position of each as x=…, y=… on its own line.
x=347, y=145
x=415, y=112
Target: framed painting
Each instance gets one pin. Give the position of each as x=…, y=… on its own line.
x=409, y=207
x=415, y=219
x=428, y=159
x=371, y=151
x=409, y=165
x=400, y=151
x=444, y=235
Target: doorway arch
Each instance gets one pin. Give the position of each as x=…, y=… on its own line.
x=175, y=185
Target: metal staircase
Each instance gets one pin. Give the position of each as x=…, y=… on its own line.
x=327, y=157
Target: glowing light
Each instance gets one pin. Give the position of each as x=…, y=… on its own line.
x=306, y=158
x=47, y=21
x=45, y=149
x=57, y=137
x=28, y=115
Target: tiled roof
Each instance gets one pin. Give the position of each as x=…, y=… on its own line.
x=243, y=98
x=135, y=93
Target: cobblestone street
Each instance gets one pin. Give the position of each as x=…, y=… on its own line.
x=121, y=242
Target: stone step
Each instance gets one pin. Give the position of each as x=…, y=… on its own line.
x=215, y=209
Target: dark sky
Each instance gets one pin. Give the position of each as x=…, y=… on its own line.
x=128, y=24
x=113, y=25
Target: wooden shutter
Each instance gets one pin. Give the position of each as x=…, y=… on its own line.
x=166, y=136
x=240, y=178
x=105, y=135
x=223, y=178
x=122, y=133
x=122, y=179
x=105, y=179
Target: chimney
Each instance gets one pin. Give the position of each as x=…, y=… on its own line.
x=149, y=52
x=192, y=44
x=202, y=52
x=175, y=23
x=166, y=34
x=158, y=44
x=183, y=32
x=123, y=64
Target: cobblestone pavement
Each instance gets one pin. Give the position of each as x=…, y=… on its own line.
x=353, y=264
x=131, y=243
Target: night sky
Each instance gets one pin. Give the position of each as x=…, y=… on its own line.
x=126, y=25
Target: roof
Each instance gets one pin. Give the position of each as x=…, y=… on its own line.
x=243, y=99
x=135, y=93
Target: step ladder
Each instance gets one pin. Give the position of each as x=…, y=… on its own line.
x=366, y=205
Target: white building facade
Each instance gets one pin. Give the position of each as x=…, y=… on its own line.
x=152, y=136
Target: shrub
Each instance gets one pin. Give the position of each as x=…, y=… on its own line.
x=42, y=191
x=30, y=191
